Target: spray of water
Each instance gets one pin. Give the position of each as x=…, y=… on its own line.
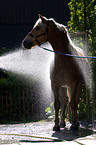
x=33, y=64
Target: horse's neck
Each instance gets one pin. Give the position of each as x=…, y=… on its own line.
x=59, y=42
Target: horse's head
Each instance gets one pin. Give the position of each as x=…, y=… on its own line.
x=39, y=33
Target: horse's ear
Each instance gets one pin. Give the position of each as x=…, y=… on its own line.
x=42, y=18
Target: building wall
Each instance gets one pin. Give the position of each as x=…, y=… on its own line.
x=26, y=11
x=17, y=18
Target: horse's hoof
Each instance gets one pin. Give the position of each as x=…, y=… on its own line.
x=56, y=128
x=62, y=125
x=78, y=124
x=74, y=127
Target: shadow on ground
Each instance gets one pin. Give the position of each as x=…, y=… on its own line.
x=70, y=135
x=65, y=135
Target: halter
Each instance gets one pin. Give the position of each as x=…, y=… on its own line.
x=35, y=37
x=70, y=55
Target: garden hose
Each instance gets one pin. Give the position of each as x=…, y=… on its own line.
x=25, y=135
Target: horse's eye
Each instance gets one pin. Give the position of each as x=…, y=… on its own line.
x=37, y=28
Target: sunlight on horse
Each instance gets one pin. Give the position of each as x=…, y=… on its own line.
x=65, y=72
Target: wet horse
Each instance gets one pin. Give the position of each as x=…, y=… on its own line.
x=65, y=72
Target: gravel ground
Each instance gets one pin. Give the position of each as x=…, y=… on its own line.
x=41, y=132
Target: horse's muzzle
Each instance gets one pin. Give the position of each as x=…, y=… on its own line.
x=27, y=44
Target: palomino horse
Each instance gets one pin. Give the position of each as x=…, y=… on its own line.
x=65, y=71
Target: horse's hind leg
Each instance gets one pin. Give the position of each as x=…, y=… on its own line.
x=75, y=94
x=64, y=100
x=55, y=89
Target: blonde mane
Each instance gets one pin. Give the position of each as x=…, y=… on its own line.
x=61, y=27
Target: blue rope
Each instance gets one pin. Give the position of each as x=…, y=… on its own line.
x=70, y=55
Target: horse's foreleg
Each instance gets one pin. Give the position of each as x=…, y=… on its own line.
x=56, y=106
x=64, y=100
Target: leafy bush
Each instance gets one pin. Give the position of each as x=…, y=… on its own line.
x=83, y=19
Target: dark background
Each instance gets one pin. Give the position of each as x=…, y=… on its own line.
x=17, y=17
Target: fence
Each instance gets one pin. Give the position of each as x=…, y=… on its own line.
x=18, y=102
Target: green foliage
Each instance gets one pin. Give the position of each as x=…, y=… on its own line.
x=85, y=108
x=81, y=10
x=83, y=19
x=50, y=111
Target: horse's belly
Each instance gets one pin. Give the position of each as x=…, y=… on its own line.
x=65, y=78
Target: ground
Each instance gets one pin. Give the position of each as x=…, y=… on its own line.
x=41, y=132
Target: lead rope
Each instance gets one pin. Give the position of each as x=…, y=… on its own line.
x=70, y=55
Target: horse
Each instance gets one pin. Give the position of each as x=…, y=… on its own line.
x=65, y=72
